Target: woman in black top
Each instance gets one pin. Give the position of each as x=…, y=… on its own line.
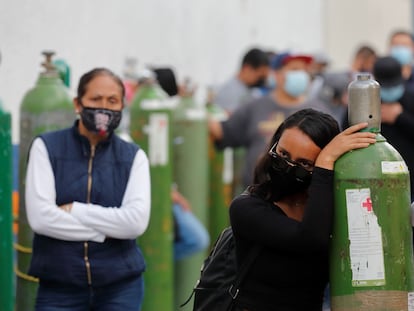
x=288, y=211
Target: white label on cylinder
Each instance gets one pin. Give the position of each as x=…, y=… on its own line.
x=366, y=251
x=228, y=166
x=410, y=301
x=152, y=104
x=196, y=114
x=158, y=139
x=393, y=167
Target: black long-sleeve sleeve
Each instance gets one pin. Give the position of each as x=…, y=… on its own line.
x=292, y=268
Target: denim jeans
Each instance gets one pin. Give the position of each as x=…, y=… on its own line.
x=192, y=235
x=125, y=295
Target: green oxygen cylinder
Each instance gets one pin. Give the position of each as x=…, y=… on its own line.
x=45, y=107
x=6, y=232
x=371, y=258
x=190, y=171
x=221, y=177
x=150, y=128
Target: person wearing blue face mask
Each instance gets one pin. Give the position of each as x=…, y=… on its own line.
x=291, y=74
x=295, y=84
x=401, y=47
x=251, y=126
x=397, y=110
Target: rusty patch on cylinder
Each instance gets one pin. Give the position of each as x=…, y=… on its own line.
x=371, y=300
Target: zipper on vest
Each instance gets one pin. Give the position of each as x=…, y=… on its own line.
x=88, y=200
x=87, y=263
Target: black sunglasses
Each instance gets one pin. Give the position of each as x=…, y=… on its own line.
x=280, y=163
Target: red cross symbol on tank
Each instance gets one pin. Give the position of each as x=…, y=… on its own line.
x=367, y=205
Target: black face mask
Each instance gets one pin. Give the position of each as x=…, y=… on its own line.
x=287, y=179
x=259, y=83
x=101, y=121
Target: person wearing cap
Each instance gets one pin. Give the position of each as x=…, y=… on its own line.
x=251, y=125
x=238, y=90
x=397, y=110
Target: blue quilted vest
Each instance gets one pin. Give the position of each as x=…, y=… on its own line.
x=58, y=261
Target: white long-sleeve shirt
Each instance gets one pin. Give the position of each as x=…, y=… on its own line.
x=85, y=222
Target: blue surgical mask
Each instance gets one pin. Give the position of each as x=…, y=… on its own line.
x=402, y=53
x=392, y=94
x=297, y=82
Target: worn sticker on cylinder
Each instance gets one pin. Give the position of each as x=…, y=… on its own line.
x=365, y=236
x=393, y=167
x=158, y=139
x=411, y=301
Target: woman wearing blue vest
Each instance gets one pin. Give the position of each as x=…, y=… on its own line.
x=87, y=200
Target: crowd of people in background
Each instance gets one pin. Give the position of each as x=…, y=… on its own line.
x=264, y=93
x=269, y=86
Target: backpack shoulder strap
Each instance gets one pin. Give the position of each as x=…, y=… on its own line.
x=244, y=268
x=242, y=272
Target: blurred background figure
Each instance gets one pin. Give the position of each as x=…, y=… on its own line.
x=319, y=64
x=270, y=83
x=317, y=68
x=333, y=91
x=238, y=89
x=397, y=110
x=190, y=235
x=251, y=126
x=401, y=48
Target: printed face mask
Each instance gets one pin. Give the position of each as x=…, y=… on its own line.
x=392, y=94
x=101, y=121
x=402, y=53
x=297, y=82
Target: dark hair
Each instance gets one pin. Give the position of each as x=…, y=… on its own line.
x=255, y=58
x=387, y=72
x=90, y=75
x=319, y=126
x=365, y=51
x=167, y=81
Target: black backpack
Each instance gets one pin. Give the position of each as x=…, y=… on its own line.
x=220, y=278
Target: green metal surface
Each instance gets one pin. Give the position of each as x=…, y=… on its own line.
x=390, y=203
x=64, y=71
x=239, y=160
x=220, y=181
x=46, y=107
x=6, y=234
x=190, y=169
x=150, y=127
